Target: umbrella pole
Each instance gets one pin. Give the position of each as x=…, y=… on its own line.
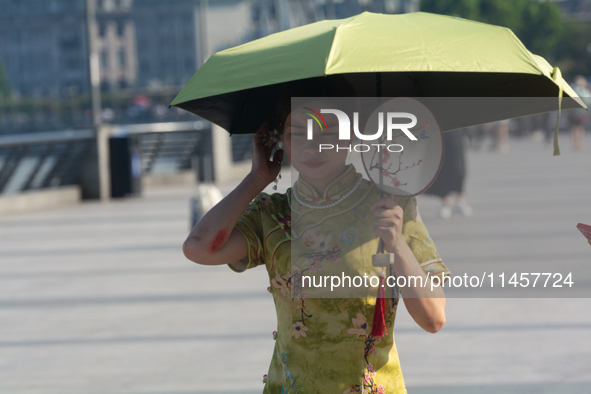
x=379, y=94
x=381, y=259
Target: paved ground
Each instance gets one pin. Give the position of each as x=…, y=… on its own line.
x=99, y=298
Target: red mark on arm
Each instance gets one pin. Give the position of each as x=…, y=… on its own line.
x=218, y=241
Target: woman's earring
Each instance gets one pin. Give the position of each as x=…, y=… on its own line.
x=277, y=180
x=279, y=175
x=278, y=138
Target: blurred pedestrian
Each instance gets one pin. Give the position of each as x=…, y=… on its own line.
x=578, y=118
x=501, y=136
x=452, y=174
x=541, y=131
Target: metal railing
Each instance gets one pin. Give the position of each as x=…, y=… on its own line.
x=49, y=159
x=42, y=160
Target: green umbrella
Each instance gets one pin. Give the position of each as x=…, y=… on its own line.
x=418, y=54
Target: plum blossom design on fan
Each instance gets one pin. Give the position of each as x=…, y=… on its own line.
x=393, y=169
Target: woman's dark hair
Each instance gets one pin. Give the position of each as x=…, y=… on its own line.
x=327, y=86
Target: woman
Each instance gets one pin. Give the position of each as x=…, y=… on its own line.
x=323, y=345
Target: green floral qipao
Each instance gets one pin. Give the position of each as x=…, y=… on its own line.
x=323, y=344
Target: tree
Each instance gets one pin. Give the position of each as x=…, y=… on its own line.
x=537, y=24
x=540, y=25
x=573, y=53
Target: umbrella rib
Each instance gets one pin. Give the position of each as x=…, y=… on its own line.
x=240, y=112
x=416, y=81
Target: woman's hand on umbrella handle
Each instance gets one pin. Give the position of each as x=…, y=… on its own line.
x=263, y=169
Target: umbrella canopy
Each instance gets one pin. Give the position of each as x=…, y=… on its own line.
x=417, y=54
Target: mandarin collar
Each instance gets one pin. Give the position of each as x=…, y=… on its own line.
x=335, y=189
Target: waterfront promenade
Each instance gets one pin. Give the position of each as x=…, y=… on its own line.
x=98, y=298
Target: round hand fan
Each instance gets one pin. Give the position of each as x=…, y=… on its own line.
x=404, y=161
x=403, y=166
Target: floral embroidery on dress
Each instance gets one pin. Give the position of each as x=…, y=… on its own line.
x=347, y=236
x=253, y=206
x=353, y=389
x=369, y=386
x=392, y=304
x=264, y=199
x=284, y=222
x=286, y=378
x=299, y=329
x=257, y=202
x=433, y=271
x=356, y=389
x=433, y=257
x=284, y=283
x=280, y=282
x=359, y=326
x=368, y=383
x=320, y=244
x=296, y=279
x=299, y=326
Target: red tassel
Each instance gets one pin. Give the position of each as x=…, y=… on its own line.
x=378, y=327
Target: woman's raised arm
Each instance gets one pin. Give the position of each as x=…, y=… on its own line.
x=213, y=241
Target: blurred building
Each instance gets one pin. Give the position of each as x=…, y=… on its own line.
x=578, y=10
x=116, y=43
x=148, y=49
x=167, y=41
x=43, y=47
x=44, y=44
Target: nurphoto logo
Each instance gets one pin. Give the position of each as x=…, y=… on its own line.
x=392, y=124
